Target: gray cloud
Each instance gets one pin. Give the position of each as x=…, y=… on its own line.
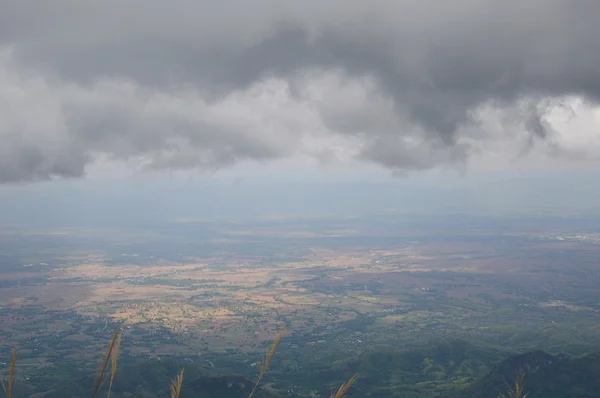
x=420, y=69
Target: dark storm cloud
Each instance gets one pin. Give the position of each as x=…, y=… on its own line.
x=434, y=61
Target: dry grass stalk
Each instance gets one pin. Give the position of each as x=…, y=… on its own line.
x=100, y=378
x=345, y=387
x=516, y=390
x=176, y=385
x=113, y=362
x=267, y=361
x=11, y=375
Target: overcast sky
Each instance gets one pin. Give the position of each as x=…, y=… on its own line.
x=315, y=90
x=397, y=85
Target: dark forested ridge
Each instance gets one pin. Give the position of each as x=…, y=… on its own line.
x=452, y=369
x=149, y=378
x=546, y=376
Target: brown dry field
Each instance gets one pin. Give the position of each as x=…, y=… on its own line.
x=241, y=305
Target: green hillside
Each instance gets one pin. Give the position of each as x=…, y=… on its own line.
x=150, y=378
x=451, y=369
x=546, y=376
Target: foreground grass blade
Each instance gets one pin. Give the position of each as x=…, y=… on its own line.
x=11, y=375
x=516, y=390
x=113, y=362
x=345, y=387
x=100, y=377
x=267, y=361
x=176, y=385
